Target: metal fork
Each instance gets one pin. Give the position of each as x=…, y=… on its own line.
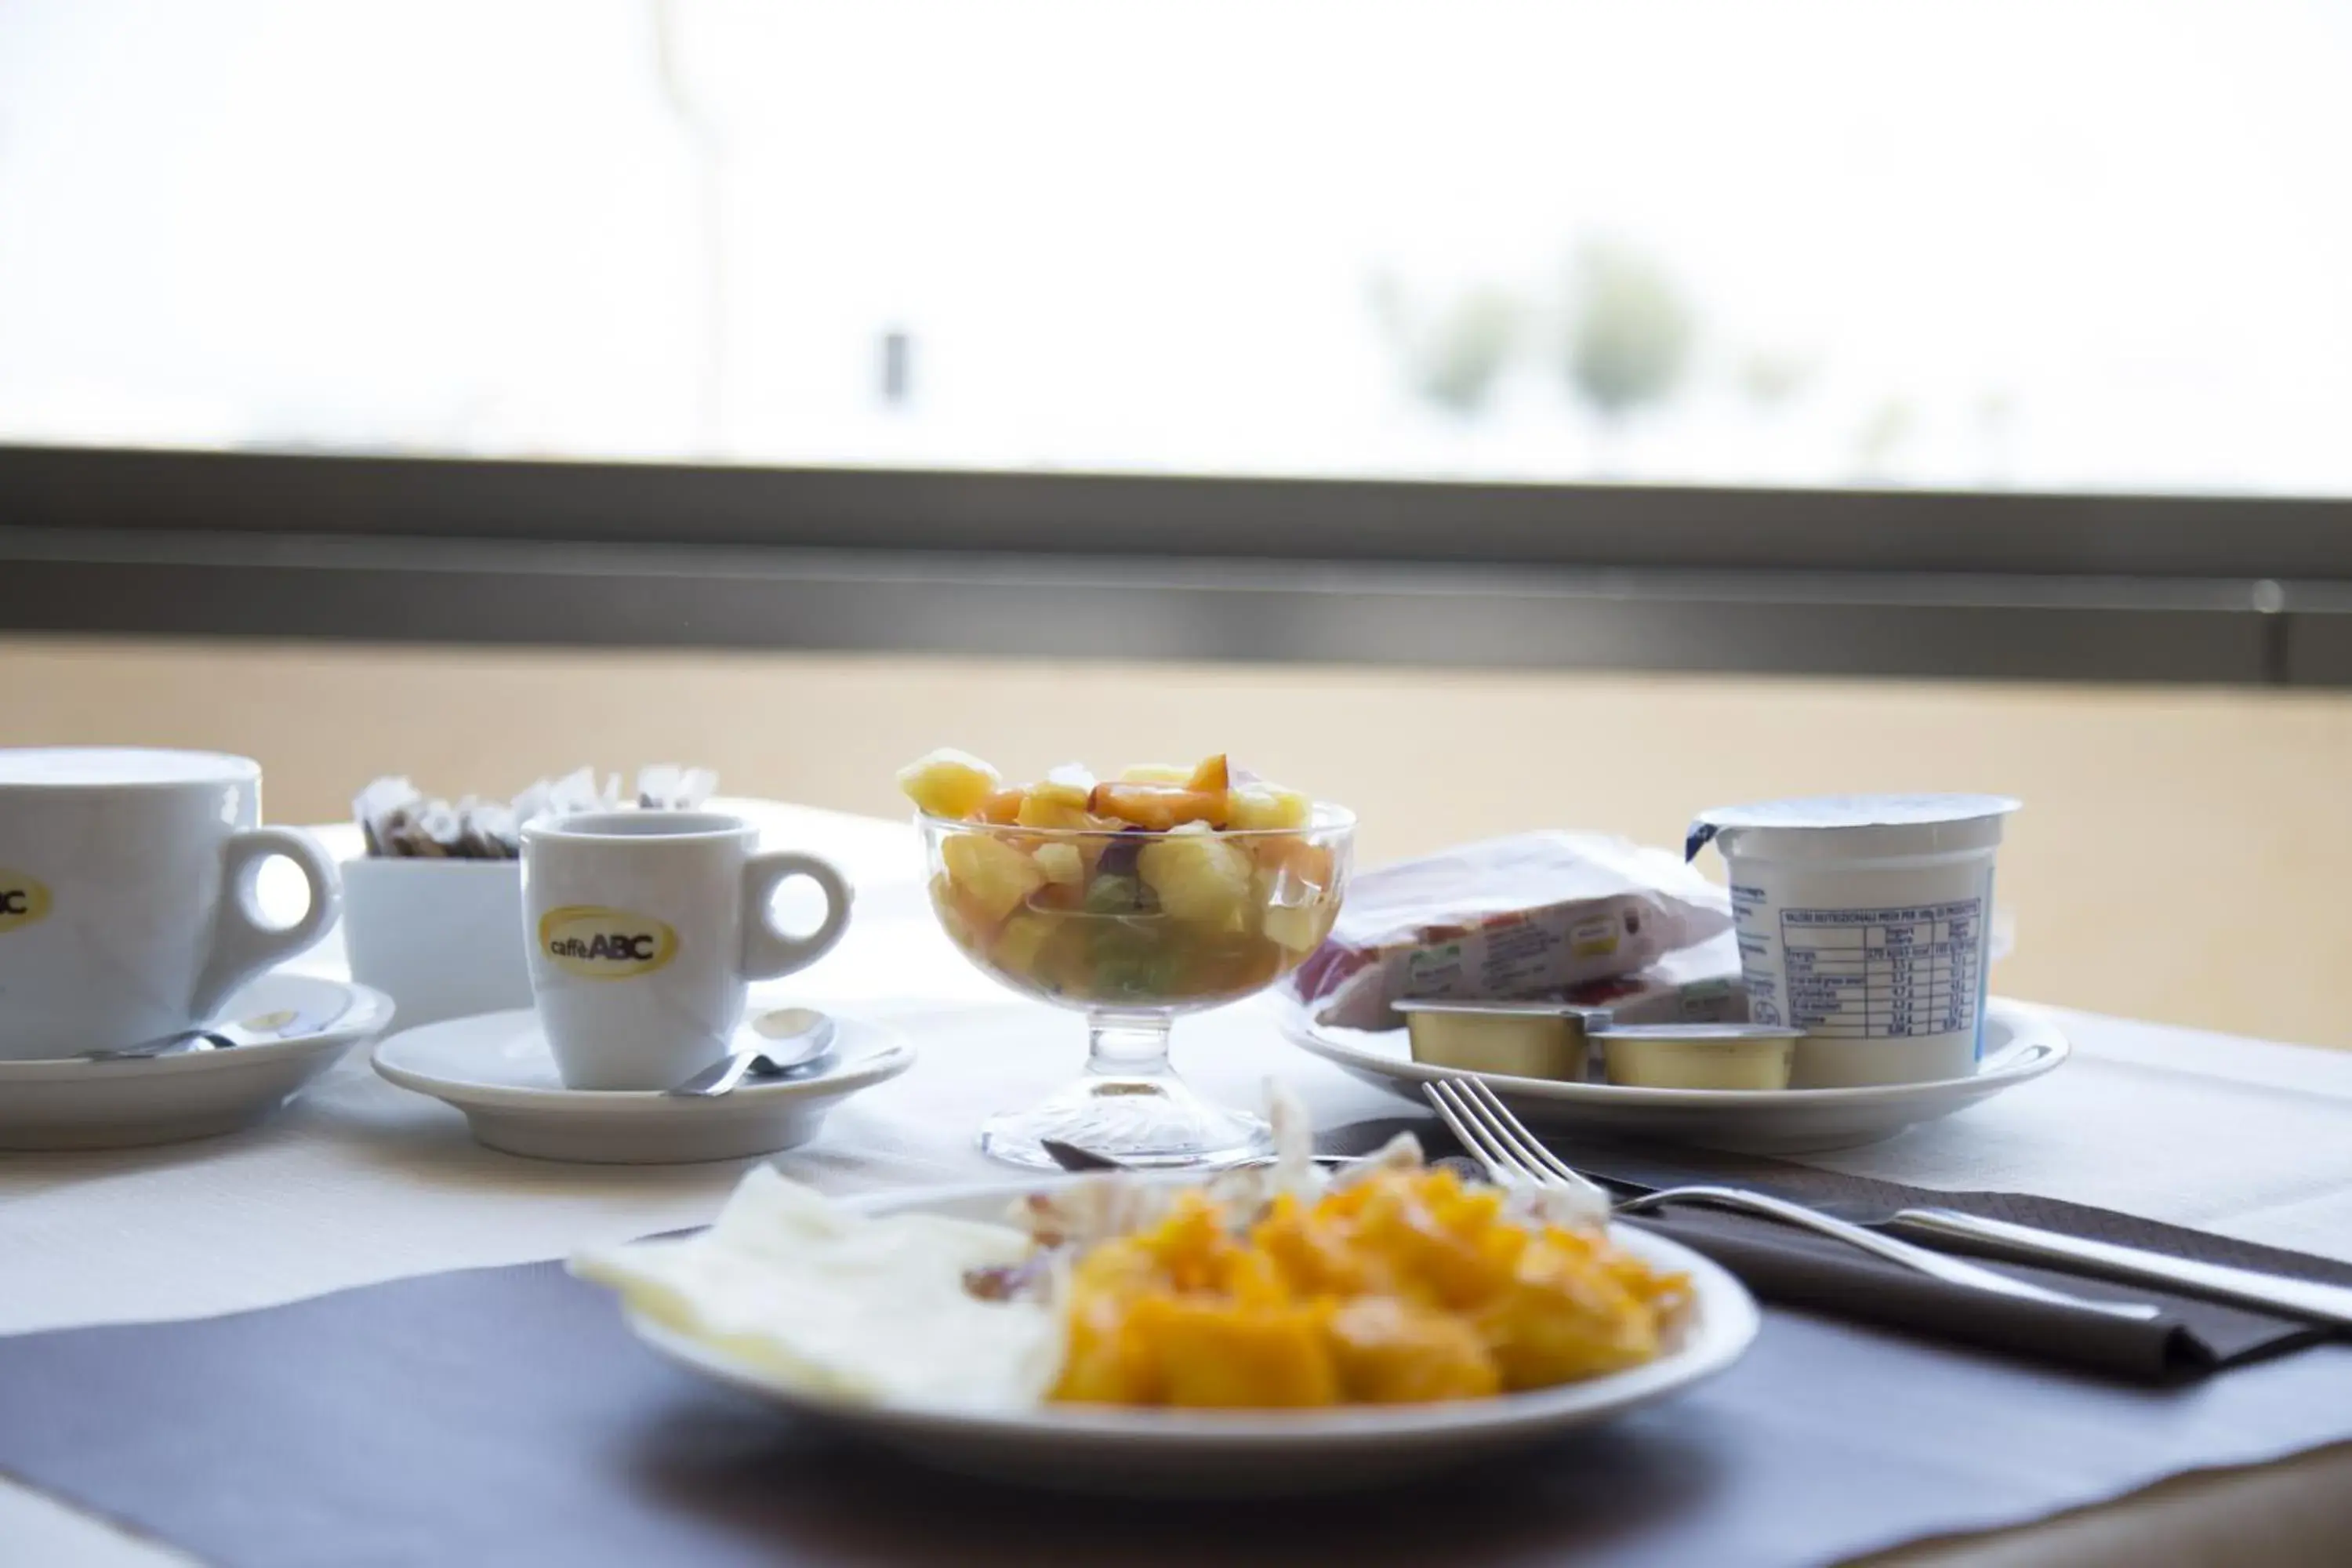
x=1511, y=1156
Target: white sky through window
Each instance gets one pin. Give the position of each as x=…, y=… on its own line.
x=2053, y=245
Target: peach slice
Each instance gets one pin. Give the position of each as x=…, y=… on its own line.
x=1002, y=807
x=1158, y=806
x=1211, y=774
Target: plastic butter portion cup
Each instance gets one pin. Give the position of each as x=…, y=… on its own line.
x=1864, y=922
x=1522, y=1039
x=1699, y=1055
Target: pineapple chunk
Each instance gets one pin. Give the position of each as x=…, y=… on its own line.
x=1156, y=772
x=1211, y=774
x=1044, y=808
x=1022, y=943
x=994, y=878
x=1198, y=877
x=950, y=911
x=1284, y=916
x=947, y=783
x=1062, y=863
x=1301, y=928
x=1265, y=806
x=1052, y=814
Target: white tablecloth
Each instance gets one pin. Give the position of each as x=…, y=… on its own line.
x=358, y=1182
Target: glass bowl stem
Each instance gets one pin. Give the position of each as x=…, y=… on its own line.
x=1127, y=1045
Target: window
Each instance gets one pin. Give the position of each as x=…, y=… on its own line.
x=1961, y=244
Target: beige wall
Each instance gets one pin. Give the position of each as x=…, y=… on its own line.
x=2178, y=858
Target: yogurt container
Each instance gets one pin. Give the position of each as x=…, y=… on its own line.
x=1864, y=922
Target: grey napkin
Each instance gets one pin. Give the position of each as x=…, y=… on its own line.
x=1797, y=1269
x=506, y=1416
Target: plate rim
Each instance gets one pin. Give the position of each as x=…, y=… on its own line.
x=1730, y=1321
x=891, y=1056
x=2048, y=1053
x=371, y=1013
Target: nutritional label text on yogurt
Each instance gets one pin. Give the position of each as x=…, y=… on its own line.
x=1882, y=973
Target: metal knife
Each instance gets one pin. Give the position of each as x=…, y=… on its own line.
x=2328, y=1305
x=2304, y=1298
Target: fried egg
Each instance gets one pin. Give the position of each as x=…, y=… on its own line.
x=853, y=1306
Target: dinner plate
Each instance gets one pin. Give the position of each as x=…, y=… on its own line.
x=2021, y=1043
x=291, y=1028
x=1107, y=1449
x=496, y=1069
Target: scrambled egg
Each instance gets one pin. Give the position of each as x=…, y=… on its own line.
x=1405, y=1287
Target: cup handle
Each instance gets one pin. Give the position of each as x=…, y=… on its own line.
x=768, y=952
x=242, y=946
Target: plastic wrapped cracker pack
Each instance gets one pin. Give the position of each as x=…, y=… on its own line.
x=1536, y=914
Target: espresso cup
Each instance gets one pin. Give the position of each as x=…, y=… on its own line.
x=127, y=910
x=645, y=928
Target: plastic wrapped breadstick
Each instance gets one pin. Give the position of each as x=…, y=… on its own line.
x=383, y=810
x=486, y=829
x=437, y=832
x=398, y=820
x=666, y=787
x=576, y=791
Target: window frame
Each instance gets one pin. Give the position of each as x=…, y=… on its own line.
x=1985, y=584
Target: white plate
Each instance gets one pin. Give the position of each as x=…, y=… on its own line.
x=2019, y=1045
x=306, y=1024
x=1110, y=1448
x=496, y=1068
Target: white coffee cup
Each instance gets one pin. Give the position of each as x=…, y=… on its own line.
x=645, y=928
x=127, y=909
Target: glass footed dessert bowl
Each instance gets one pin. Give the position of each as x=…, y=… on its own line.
x=1165, y=892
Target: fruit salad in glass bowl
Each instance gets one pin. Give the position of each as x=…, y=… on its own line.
x=1164, y=890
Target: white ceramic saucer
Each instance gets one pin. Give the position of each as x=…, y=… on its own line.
x=496, y=1068
x=294, y=1026
x=2019, y=1045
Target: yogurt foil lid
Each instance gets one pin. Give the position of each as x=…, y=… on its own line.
x=1846, y=811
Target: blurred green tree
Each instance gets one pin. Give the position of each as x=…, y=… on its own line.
x=1453, y=355
x=1629, y=330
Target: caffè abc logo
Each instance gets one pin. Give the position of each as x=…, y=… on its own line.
x=23, y=900
x=598, y=944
